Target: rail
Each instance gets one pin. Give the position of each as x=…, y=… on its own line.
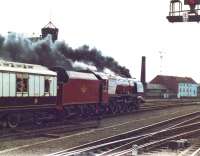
x=139, y=136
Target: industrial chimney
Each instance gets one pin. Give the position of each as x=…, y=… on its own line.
x=50, y=29
x=143, y=72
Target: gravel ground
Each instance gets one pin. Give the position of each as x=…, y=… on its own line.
x=108, y=127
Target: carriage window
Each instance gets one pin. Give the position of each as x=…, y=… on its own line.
x=22, y=83
x=47, y=85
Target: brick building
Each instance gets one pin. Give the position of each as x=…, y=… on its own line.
x=177, y=86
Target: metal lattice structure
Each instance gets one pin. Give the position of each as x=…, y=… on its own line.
x=50, y=29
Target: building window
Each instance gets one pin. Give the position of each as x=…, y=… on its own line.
x=22, y=83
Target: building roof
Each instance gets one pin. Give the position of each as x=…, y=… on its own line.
x=171, y=82
x=174, y=78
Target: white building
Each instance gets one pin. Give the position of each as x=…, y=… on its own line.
x=187, y=90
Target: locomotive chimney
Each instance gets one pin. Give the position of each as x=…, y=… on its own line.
x=143, y=72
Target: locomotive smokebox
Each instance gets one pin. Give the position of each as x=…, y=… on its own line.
x=50, y=29
x=143, y=72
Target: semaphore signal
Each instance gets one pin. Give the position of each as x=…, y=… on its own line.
x=178, y=11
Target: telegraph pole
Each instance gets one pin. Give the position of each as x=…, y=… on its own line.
x=161, y=53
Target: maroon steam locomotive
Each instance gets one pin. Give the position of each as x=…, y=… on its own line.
x=36, y=93
x=88, y=93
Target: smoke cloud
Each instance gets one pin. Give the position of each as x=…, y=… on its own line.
x=15, y=47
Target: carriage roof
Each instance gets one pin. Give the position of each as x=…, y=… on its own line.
x=17, y=67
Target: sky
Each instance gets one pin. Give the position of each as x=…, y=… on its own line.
x=123, y=29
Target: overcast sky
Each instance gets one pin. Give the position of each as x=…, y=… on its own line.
x=123, y=29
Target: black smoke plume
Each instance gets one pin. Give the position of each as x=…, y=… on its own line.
x=16, y=47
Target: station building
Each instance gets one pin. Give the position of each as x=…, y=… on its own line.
x=176, y=87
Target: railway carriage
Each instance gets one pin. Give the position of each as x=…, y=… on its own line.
x=25, y=89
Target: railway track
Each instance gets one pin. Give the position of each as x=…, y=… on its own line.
x=145, y=138
x=168, y=104
x=73, y=139
x=74, y=125
x=158, y=106
x=195, y=150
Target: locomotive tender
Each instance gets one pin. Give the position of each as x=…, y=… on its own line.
x=36, y=93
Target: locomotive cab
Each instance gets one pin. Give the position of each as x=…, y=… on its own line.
x=139, y=90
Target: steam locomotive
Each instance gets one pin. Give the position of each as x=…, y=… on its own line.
x=36, y=93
